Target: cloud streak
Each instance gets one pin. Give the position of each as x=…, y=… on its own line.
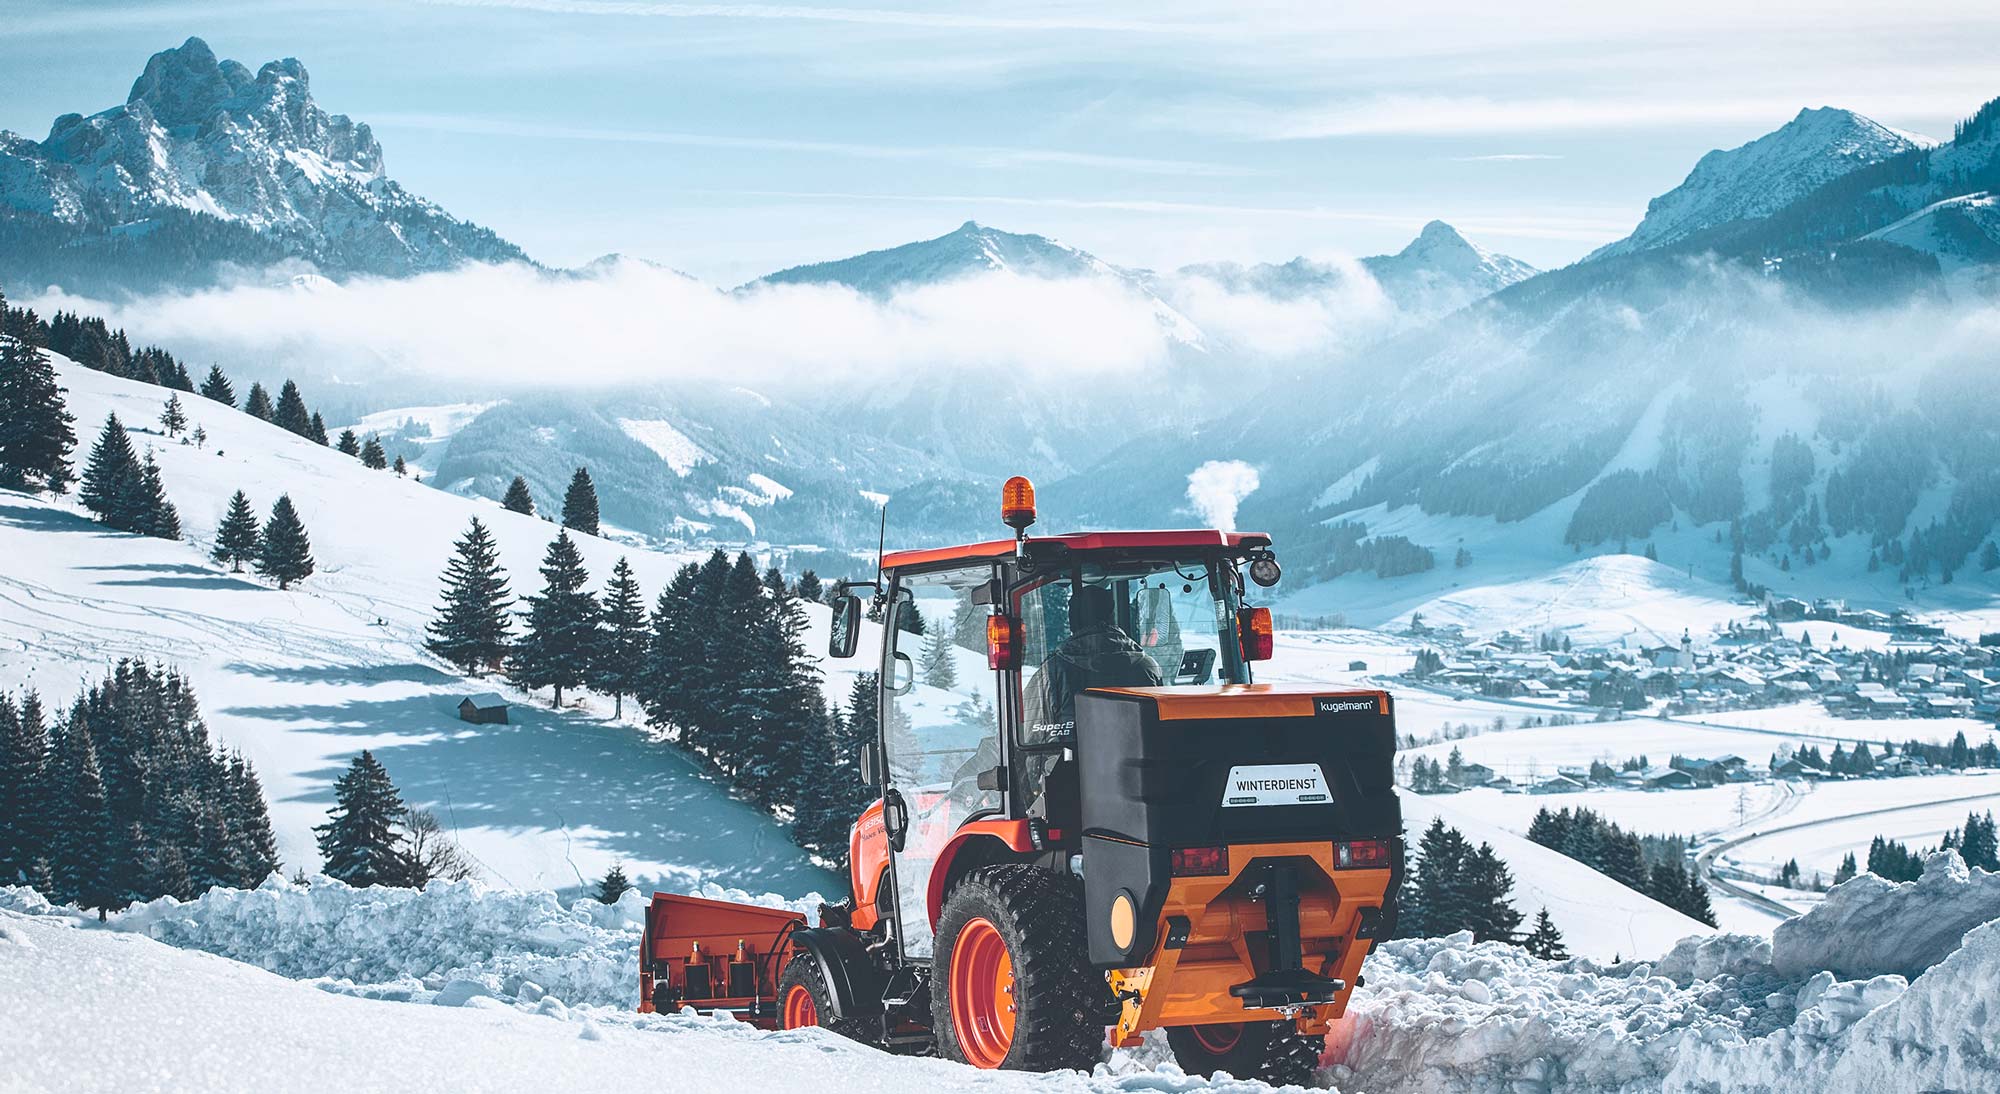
x=888, y=17
x=969, y=155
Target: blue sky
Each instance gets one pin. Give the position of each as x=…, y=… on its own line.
x=730, y=139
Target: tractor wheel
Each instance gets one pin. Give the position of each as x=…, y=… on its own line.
x=1274, y=1052
x=804, y=1000
x=1011, y=982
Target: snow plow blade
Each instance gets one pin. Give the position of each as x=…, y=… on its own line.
x=714, y=956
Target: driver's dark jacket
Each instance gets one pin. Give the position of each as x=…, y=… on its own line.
x=1101, y=658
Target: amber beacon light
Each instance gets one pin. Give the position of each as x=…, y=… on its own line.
x=1017, y=503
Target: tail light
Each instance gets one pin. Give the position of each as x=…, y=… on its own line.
x=1362, y=854
x=1200, y=861
x=1017, y=503
x=1001, y=647
x=1253, y=625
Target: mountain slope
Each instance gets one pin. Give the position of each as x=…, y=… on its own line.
x=1765, y=175
x=207, y=163
x=301, y=680
x=1442, y=271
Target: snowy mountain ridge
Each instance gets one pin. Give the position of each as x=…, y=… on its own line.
x=1759, y=178
x=209, y=139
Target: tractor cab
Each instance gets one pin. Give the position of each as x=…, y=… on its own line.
x=987, y=648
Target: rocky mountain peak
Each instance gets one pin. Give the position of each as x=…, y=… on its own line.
x=185, y=85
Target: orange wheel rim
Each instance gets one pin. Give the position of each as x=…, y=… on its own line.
x=982, y=994
x=800, y=1010
x=1219, y=1038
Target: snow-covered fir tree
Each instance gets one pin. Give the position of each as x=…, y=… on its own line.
x=473, y=625
x=360, y=841
x=35, y=434
x=349, y=444
x=579, y=511
x=317, y=431
x=218, y=387
x=518, y=499
x=258, y=403
x=237, y=538
x=620, y=660
x=286, y=553
x=613, y=885
x=291, y=413
x=1545, y=941
x=173, y=416
x=938, y=660
x=561, y=635
x=372, y=455
x=157, y=516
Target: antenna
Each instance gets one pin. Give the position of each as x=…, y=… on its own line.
x=881, y=542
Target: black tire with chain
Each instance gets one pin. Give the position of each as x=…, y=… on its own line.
x=1062, y=1000
x=1274, y=1052
x=803, y=970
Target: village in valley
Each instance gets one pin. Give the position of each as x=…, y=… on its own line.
x=1855, y=666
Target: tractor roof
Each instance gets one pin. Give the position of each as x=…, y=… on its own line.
x=1080, y=541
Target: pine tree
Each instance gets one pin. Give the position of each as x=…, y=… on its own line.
x=518, y=499
x=562, y=625
x=173, y=417
x=401, y=468
x=614, y=885
x=254, y=846
x=938, y=660
x=258, y=403
x=1980, y=845
x=83, y=847
x=809, y=587
x=1439, y=903
x=25, y=805
x=372, y=456
x=349, y=444
x=620, y=660
x=1545, y=941
x=472, y=626
x=1848, y=868
x=673, y=648
x=218, y=387
x=156, y=516
x=286, y=555
x=292, y=414
x=1488, y=881
x=318, y=430
x=111, y=478
x=359, y=840
x=237, y=538
x=35, y=434
x=580, y=503
x=1695, y=903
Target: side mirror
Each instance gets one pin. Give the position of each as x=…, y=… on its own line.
x=895, y=819
x=846, y=630
x=902, y=674
x=871, y=763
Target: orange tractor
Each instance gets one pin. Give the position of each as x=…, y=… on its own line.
x=1090, y=818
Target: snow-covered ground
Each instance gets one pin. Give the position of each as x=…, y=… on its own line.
x=1884, y=987
x=302, y=680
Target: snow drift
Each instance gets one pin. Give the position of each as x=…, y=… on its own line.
x=1444, y=1015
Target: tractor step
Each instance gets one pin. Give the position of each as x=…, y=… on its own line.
x=1286, y=988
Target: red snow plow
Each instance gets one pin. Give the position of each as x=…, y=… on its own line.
x=1090, y=819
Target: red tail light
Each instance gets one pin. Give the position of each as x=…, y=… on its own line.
x=1000, y=644
x=1254, y=626
x=1200, y=861
x=1362, y=854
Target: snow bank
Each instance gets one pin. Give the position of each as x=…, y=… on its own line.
x=1869, y=926
x=449, y=943
x=1824, y=1006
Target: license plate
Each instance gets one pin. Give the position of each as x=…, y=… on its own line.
x=1275, y=784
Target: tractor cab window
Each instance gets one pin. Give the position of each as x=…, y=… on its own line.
x=1166, y=622
x=941, y=729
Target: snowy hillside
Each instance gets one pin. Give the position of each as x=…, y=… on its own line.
x=1765, y=175
x=301, y=680
x=206, y=152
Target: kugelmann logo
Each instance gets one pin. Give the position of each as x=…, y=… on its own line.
x=1345, y=706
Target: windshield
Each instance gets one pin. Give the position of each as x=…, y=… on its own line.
x=1149, y=623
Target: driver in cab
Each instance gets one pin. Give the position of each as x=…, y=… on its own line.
x=1096, y=654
